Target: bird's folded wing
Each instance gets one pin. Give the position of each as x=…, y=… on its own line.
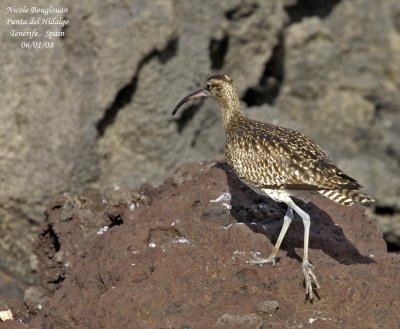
x=285, y=159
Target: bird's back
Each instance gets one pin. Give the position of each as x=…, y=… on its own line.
x=270, y=157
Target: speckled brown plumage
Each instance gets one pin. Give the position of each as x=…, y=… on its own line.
x=267, y=156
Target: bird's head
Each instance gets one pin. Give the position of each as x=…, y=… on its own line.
x=220, y=87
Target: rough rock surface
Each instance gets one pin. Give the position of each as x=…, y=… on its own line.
x=95, y=110
x=175, y=257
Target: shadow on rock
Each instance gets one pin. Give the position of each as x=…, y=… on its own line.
x=263, y=215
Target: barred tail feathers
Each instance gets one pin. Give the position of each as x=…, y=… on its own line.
x=347, y=197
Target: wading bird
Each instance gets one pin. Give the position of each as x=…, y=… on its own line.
x=279, y=163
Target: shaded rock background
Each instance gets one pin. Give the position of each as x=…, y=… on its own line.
x=171, y=257
x=95, y=111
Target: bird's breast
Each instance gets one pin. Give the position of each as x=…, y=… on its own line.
x=251, y=162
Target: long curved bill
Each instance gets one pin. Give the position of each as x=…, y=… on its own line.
x=196, y=94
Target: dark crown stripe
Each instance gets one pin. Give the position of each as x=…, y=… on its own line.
x=222, y=77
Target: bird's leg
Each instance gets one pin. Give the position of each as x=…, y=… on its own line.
x=307, y=267
x=272, y=257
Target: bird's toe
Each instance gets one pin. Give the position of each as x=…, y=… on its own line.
x=310, y=279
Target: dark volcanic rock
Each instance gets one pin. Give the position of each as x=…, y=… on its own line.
x=162, y=264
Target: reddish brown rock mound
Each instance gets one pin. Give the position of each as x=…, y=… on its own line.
x=170, y=258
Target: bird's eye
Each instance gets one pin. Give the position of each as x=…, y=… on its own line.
x=208, y=86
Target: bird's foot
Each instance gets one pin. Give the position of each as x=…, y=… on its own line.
x=309, y=278
x=260, y=261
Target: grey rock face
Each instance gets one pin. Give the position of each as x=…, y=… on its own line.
x=95, y=110
x=144, y=143
x=50, y=105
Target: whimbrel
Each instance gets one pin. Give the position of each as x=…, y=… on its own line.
x=279, y=163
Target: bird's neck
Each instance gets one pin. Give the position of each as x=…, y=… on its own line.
x=230, y=109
